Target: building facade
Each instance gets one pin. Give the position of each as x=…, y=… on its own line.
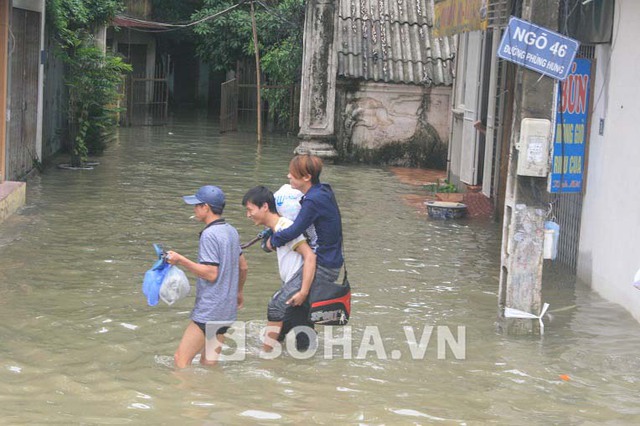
x=608, y=255
x=600, y=222
x=376, y=82
x=21, y=98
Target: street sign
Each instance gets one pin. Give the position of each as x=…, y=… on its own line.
x=538, y=48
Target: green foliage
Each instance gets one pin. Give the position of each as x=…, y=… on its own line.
x=92, y=77
x=73, y=19
x=442, y=187
x=223, y=40
x=227, y=39
x=447, y=187
x=93, y=82
x=282, y=64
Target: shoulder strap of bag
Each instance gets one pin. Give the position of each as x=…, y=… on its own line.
x=344, y=260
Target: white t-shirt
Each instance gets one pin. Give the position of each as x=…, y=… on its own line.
x=289, y=261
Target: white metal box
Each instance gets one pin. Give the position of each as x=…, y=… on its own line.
x=534, y=147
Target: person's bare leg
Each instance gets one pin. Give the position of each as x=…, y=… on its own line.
x=271, y=335
x=192, y=342
x=211, y=358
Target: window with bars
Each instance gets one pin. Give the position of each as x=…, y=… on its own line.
x=498, y=12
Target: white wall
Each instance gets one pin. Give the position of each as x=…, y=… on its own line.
x=609, y=252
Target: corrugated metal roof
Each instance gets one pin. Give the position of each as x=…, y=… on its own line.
x=392, y=41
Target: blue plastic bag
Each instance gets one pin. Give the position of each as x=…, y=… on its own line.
x=153, y=277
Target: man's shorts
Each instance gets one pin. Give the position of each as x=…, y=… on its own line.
x=203, y=327
x=278, y=303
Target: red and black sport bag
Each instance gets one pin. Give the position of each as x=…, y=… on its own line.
x=330, y=302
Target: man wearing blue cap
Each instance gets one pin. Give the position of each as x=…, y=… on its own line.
x=221, y=270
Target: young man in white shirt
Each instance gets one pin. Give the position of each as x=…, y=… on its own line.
x=296, y=262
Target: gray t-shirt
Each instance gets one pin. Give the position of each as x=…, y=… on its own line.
x=218, y=300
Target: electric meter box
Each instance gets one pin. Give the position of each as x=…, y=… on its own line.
x=533, y=147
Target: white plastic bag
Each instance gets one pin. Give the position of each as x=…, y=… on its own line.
x=288, y=201
x=175, y=286
x=517, y=313
x=288, y=205
x=551, y=237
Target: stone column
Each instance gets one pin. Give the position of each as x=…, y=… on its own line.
x=319, y=73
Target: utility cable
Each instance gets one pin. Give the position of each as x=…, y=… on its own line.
x=277, y=14
x=173, y=27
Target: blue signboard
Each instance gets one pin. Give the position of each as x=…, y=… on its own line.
x=538, y=48
x=572, y=113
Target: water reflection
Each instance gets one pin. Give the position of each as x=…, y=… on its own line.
x=79, y=343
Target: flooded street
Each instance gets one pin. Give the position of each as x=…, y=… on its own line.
x=80, y=345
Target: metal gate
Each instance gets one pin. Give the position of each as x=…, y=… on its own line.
x=238, y=103
x=567, y=210
x=25, y=57
x=229, y=106
x=148, y=97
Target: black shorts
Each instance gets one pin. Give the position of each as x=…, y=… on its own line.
x=203, y=327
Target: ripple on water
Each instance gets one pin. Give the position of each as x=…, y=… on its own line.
x=202, y=404
x=343, y=389
x=415, y=413
x=139, y=406
x=129, y=326
x=261, y=415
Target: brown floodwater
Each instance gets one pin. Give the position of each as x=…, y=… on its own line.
x=80, y=345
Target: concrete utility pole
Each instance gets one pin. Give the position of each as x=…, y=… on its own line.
x=525, y=198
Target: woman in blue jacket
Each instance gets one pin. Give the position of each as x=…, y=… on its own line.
x=318, y=208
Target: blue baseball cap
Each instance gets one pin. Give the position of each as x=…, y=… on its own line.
x=207, y=194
